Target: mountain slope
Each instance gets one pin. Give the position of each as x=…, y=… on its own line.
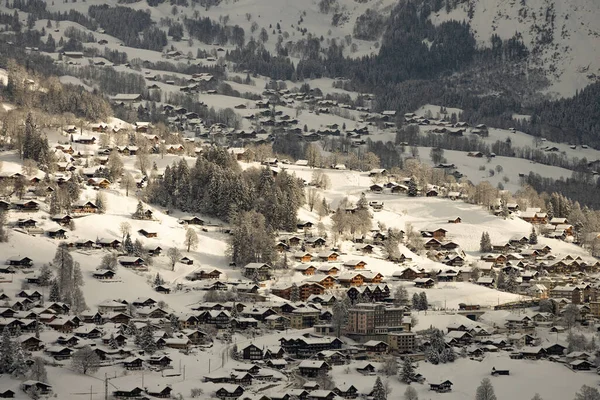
x=562, y=36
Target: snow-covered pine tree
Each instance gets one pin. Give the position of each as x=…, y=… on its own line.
x=295, y=293
x=378, y=392
x=6, y=351
x=19, y=367
x=158, y=280
x=54, y=291
x=433, y=356
x=79, y=303
x=139, y=211
x=112, y=342
x=485, y=244
x=533, y=238
x=138, y=248
x=407, y=374
x=501, y=280
x=450, y=354
x=45, y=277
x=131, y=329
x=3, y=231
x=147, y=342
x=412, y=187
x=174, y=322
x=423, y=302
x=442, y=356
x=511, y=283
x=128, y=245
x=416, y=302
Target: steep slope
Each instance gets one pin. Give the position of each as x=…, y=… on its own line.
x=562, y=36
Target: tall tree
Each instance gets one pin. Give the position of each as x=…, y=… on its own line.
x=174, y=256
x=3, y=231
x=485, y=391
x=7, y=354
x=85, y=360
x=407, y=374
x=485, y=243
x=191, y=239
x=533, y=239
x=69, y=274
x=38, y=370
x=378, y=392
x=340, y=312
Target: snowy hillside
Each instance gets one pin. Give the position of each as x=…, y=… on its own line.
x=562, y=36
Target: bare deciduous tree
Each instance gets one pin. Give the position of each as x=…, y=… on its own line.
x=191, y=239
x=174, y=256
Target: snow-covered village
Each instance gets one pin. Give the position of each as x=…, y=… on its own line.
x=257, y=200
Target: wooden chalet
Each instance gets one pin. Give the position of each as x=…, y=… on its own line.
x=85, y=207
x=131, y=261
x=101, y=183
x=26, y=205
x=148, y=234
x=312, y=369
x=20, y=261
x=57, y=233
x=441, y=387
x=104, y=274
x=260, y=270
x=135, y=393
x=108, y=243
x=193, y=220
x=40, y=387
x=229, y=392
x=252, y=352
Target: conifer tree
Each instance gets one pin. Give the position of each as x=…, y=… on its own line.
x=423, y=303
x=112, y=342
x=139, y=211
x=3, y=231
x=146, y=341
x=378, y=392
x=412, y=187
x=128, y=245
x=19, y=367
x=45, y=277
x=533, y=239
x=54, y=291
x=7, y=354
x=416, y=302
x=485, y=244
x=407, y=374
x=295, y=293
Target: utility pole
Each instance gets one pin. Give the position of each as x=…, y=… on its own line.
x=106, y=379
